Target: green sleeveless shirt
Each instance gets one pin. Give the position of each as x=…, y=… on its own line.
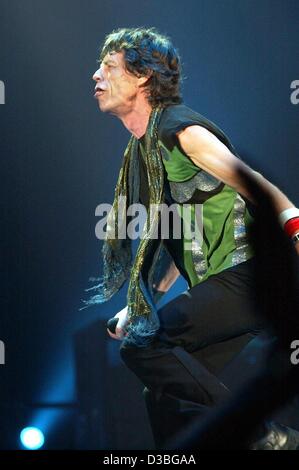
x=223, y=214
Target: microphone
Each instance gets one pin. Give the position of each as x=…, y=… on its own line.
x=111, y=324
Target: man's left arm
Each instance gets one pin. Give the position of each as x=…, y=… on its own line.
x=211, y=155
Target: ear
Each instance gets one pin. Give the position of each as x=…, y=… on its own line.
x=144, y=78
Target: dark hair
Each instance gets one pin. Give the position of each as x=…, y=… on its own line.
x=147, y=52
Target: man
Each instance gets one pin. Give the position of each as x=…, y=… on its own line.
x=175, y=155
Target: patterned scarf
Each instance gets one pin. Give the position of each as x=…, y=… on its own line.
x=117, y=252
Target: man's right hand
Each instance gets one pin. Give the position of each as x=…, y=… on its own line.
x=120, y=329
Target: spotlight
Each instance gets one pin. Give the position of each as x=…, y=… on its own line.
x=32, y=438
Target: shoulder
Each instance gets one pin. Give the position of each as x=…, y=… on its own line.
x=181, y=122
x=175, y=118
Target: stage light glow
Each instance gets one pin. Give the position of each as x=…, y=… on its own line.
x=32, y=438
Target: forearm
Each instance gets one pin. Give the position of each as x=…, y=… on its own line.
x=279, y=199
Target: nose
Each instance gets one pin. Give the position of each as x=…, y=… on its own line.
x=97, y=75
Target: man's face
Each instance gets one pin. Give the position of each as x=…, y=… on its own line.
x=116, y=89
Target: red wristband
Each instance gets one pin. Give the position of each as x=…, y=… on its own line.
x=292, y=226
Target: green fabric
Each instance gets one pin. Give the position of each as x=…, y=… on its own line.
x=219, y=244
x=178, y=166
x=218, y=238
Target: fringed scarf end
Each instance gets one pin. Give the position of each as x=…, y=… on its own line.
x=142, y=331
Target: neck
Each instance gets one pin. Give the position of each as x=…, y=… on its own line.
x=136, y=120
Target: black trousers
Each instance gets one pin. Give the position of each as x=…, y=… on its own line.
x=182, y=388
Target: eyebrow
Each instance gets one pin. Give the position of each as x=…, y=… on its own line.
x=107, y=61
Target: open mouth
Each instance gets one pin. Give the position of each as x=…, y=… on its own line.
x=99, y=91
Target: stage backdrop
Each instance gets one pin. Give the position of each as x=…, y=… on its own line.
x=60, y=158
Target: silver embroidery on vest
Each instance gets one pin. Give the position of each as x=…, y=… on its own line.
x=240, y=235
x=183, y=191
x=199, y=262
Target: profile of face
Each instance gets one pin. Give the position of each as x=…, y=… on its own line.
x=116, y=89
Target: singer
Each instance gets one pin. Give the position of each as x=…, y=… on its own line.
x=176, y=155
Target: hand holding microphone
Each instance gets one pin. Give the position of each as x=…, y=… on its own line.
x=116, y=326
x=111, y=324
